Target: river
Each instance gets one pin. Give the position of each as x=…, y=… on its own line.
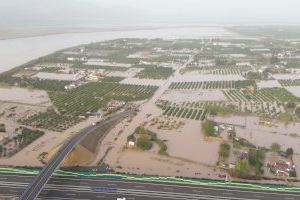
x=14, y=52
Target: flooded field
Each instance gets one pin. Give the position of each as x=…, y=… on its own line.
x=22, y=95
x=137, y=81
x=193, y=95
x=268, y=84
x=295, y=90
x=14, y=52
x=190, y=77
x=57, y=76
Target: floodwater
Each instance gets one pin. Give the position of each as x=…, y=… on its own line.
x=14, y=52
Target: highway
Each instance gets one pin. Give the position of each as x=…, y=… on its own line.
x=36, y=185
x=89, y=188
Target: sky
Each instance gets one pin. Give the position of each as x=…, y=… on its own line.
x=102, y=13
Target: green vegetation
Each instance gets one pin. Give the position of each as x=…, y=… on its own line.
x=241, y=142
x=146, y=138
x=275, y=147
x=24, y=137
x=27, y=136
x=208, y=128
x=185, y=112
x=50, y=69
x=262, y=95
x=224, y=150
x=70, y=105
x=289, y=151
x=286, y=83
x=2, y=128
x=293, y=63
x=285, y=117
x=144, y=143
x=212, y=85
x=114, y=79
x=35, y=83
x=250, y=168
x=242, y=168
x=154, y=72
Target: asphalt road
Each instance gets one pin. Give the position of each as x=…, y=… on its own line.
x=37, y=184
x=88, y=188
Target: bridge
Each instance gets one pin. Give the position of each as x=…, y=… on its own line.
x=36, y=186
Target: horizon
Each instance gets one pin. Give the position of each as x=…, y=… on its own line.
x=103, y=13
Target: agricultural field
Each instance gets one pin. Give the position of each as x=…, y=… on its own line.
x=153, y=72
x=212, y=85
x=263, y=95
x=286, y=83
x=268, y=101
x=70, y=105
x=218, y=70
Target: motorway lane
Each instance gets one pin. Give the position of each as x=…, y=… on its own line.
x=96, y=188
x=42, y=178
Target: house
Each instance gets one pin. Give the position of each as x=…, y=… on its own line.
x=131, y=143
x=114, y=105
x=283, y=168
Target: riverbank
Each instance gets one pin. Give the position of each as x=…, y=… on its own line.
x=14, y=52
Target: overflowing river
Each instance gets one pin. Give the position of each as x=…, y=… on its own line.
x=14, y=52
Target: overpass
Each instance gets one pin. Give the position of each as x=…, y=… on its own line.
x=35, y=187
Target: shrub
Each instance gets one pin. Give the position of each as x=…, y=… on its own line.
x=275, y=147
x=224, y=150
x=144, y=143
x=208, y=128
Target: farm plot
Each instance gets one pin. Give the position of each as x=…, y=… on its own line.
x=286, y=83
x=153, y=72
x=218, y=70
x=196, y=110
x=91, y=97
x=212, y=85
x=262, y=95
x=264, y=101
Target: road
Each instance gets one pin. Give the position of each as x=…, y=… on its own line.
x=89, y=188
x=37, y=184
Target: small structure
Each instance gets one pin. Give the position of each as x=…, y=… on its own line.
x=282, y=168
x=131, y=143
x=114, y=105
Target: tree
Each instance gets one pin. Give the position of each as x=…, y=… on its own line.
x=208, y=128
x=144, y=143
x=224, y=150
x=290, y=105
x=275, y=147
x=290, y=151
x=242, y=168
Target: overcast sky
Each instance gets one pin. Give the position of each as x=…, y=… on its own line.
x=18, y=13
